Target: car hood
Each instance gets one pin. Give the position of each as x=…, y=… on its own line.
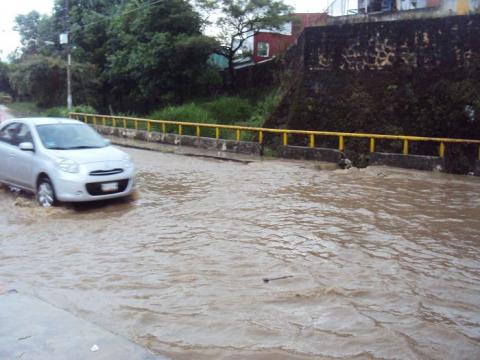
x=88, y=156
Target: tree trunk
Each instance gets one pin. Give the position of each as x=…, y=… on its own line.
x=231, y=74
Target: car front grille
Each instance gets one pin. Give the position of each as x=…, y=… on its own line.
x=95, y=189
x=105, y=172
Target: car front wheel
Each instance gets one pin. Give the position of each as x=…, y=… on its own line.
x=46, y=193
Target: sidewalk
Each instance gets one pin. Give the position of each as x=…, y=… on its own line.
x=31, y=329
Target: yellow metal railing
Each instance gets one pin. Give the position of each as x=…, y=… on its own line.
x=124, y=122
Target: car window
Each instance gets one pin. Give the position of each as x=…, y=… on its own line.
x=69, y=136
x=9, y=133
x=23, y=135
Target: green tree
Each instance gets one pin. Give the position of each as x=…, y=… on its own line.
x=4, y=82
x=90, y=21
x=143, y=53
x=242, y=19
x=88, y=35
x=156, y=54
x=42, y=79
x=37, y=34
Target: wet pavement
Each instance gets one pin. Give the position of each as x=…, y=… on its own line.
x=377, y=263
x=33, y=329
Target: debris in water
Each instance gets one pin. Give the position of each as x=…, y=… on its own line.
x=95, y=348
x=266, y=280
x=345, y=163
x=21, y=202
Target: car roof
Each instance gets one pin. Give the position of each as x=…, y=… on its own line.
x=46, y=121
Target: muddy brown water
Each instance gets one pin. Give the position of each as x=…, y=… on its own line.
x=376, y=263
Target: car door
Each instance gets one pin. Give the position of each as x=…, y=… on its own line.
x=7, y=135
x=21, y=162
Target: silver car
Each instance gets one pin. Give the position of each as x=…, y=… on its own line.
x=62, y=160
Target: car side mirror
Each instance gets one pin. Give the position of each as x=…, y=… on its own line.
x=26, y=146
x=107, y=141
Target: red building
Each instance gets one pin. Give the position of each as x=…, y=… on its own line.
x=268, y=44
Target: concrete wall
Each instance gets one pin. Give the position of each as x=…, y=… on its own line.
x=416, y=162
x=306, y=153
x=410, y=77
x=131, y=137
x=421, y=43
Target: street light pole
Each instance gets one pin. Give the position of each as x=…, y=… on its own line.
x=69, y=58
x=65, y=41
x=69, y=79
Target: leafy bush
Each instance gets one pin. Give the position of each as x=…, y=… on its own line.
x=57, y=111
x=264, y=109
x=42, y=80
x=5, y=98
x=185, y=113
x=87, y=109
x=24, y=108
x=223, y=110
x=229, y=110
x=62, y=111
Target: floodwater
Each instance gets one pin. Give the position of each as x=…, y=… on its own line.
x=377, y=263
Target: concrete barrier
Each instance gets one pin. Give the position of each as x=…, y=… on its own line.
x=417, y=162
x=129, y=137
x=154, y=140
x=306, y=153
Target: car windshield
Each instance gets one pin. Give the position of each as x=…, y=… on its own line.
x=69, y=137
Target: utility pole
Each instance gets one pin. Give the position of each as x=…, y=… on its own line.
x=69, y=80
x=69, y=58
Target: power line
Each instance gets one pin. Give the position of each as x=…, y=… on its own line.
x=145, y=6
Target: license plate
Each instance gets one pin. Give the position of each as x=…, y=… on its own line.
x=109, y=187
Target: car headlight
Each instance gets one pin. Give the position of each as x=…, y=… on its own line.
x=68, y=165
x=127, y=162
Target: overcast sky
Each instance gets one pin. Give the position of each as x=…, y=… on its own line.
x=9, y=39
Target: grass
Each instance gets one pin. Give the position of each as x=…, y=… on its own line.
x=30, y=109
x=62, y=111
x=225, y=110
x=25, y=109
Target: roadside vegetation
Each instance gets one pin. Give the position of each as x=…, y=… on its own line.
x=24, y=108
x=27, y=108
x=228, y=110
x=139, y=58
